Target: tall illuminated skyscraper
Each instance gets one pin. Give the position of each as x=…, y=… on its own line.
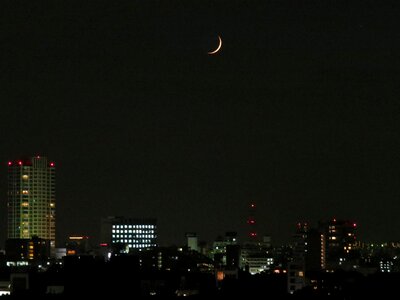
x=31, y=199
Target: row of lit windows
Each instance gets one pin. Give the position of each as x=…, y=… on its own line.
x=141, y=245
x=132, y=231
x=130, y=240
x=133, y=226
x=26, y=204
x=141, y=236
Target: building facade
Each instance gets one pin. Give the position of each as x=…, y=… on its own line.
x=128, y=234
x=31, y=199
x=340, y=240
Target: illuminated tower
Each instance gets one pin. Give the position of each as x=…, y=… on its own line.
x=31, y=199
x=251, y=222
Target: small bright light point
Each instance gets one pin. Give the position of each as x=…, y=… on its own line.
x=20, y=163
x=9, y=163
x=51, y=164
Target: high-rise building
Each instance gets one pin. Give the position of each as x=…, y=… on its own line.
x=31, y=199
x=340, y=240
x=129, y=233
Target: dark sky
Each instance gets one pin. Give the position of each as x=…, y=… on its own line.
x=299, y=112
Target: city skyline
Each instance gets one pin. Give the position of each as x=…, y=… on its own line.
x=297, y=112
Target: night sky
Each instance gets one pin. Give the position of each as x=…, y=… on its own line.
x=299, y=112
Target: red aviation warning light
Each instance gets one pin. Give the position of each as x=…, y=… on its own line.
x=251, y=221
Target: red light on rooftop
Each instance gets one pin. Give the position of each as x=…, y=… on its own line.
x=253, y=234
x=9, y=163
x=334, y=220
x=52, y=164
x=354, y=225
x=103, y=245
x=20, y=163
x=252, y=205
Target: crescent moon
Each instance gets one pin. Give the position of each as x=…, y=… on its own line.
x=218, y=48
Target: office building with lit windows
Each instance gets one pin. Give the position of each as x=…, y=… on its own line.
x=127, y=234
x=31, y=199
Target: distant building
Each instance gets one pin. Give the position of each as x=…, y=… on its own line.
x=218, y=253
x=308, y=255
x=297, y=267
x=192, y=241
x=256, y=261
x=127, y=234
x=31, y=199
x=340, y=241
x=27, y=250
x=59, y=253
x=78, y=245
x=256, y=255
x=233, y=253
